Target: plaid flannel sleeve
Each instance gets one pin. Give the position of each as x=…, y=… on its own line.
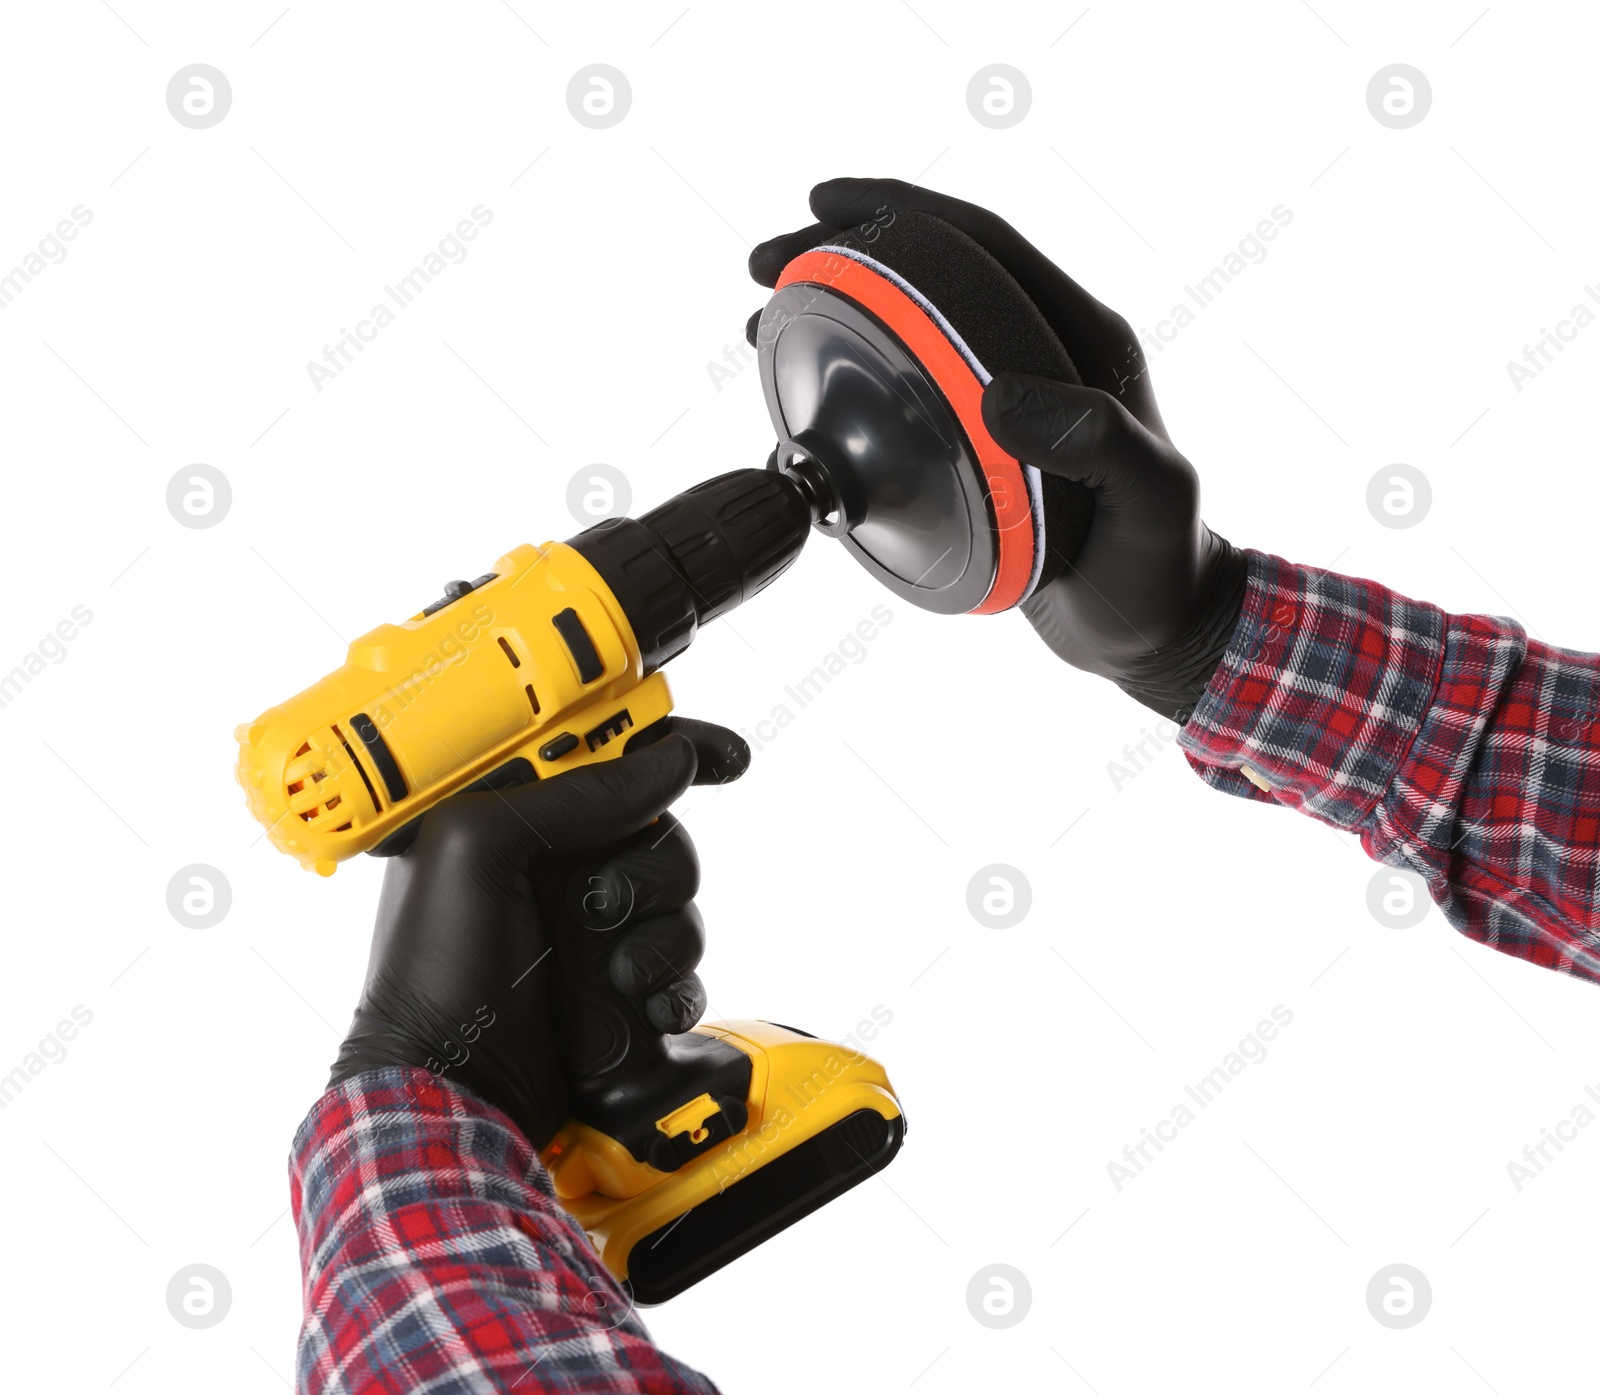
x=1452, y=744
x=437, y=1259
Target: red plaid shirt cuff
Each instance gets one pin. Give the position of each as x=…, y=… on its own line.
x=436, y=1257
x=1451, y=744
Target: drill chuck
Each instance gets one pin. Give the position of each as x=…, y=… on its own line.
x=698, y=555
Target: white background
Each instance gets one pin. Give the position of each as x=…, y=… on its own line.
x=1164, y=924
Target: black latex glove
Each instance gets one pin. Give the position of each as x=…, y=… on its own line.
x=1153, y=595
x=469, y=922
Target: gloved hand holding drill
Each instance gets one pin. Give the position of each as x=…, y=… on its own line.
x=462, y=978
x=453, y=1076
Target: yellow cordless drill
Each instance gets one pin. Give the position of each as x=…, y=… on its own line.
x=684, y=1151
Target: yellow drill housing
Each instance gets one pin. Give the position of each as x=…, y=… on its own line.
x=535, y=662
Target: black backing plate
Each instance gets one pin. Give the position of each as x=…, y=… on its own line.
x=832, y=368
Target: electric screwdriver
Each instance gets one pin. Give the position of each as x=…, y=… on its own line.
x=685, y=1151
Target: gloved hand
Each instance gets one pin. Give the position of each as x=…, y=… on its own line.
x=1153, y=595
x=463, y=956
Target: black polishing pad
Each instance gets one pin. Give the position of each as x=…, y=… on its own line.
x=874, y=351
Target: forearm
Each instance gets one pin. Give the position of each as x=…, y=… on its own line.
x=1449, y=743
x=434, y=1254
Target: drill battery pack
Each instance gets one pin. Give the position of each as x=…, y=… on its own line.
x=784, y=1124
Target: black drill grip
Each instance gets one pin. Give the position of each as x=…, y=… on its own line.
x=623, y=1075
